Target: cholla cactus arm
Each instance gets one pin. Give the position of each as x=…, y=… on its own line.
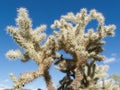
x=88, y=74
x=98, y=81
x=25, y=78
x=28, y=77
x=22, y=34
x=82, y=45
x=14, y=54
x=30, y=40
x=101, y=71
x=75, y=38
x=15, y=80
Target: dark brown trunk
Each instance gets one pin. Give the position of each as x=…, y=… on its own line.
x=48, y=81
x=75, y=85
x=76, y=82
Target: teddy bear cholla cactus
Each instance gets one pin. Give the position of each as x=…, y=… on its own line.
x=80, y=44
x=92, y=73
x=94, y=78
x=31, y=41
x=72, y=38
x=116, y=79
x=98, y=80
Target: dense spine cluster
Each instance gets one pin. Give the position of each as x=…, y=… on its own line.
x=82, y=72
x=82, y=45
x=31, y=41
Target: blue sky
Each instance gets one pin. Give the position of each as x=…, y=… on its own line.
x=45, y=12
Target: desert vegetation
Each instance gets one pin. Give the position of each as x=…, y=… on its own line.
x=82, y=71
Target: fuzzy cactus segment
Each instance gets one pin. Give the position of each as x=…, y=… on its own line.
x=83, y=46
x=31, y=41
x=81, y=71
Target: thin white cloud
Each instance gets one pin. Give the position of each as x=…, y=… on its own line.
x=3, y=84
x=2, y=87
x=6, y=80
x=109, y=60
